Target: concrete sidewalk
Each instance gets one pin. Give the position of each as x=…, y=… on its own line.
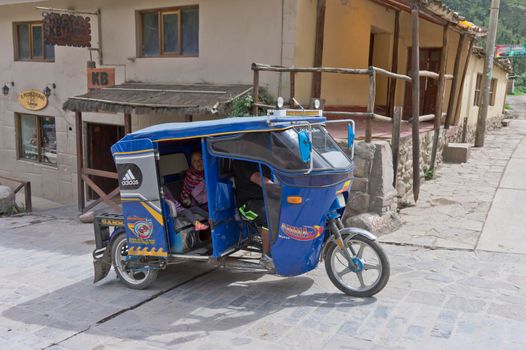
x=505, y=227
x=454, y=206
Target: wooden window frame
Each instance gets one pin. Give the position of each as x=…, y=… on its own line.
x=478, y=90
x=38, y=132
x=493, y=92
x=139, y=30
x=477, y=101
x=16, y=36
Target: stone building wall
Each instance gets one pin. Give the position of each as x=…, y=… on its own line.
x=491, y=124
x=404, y=186
x=373, y=199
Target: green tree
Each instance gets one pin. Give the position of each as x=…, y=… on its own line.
x=511, y=29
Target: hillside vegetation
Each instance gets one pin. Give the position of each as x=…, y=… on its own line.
x=511, y=28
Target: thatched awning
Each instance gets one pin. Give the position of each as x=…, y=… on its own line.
x=141, y=98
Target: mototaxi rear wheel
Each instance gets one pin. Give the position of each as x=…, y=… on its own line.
x=372, y=266
x=135, y=279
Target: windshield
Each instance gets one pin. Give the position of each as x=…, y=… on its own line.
x=280, y=149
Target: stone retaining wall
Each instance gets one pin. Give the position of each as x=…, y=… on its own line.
x=374, y=200
x=404, y=186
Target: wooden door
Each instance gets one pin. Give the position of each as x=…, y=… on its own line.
x=100, y=138
x=430, y=61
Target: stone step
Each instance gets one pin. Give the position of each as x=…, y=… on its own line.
x=456, y=152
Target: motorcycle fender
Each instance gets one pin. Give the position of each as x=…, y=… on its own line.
x=351, y=231
x=101, y=263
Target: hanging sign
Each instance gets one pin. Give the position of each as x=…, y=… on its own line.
x=504, y=51
x=32, y=100
x=66, y=30
x=99, y=78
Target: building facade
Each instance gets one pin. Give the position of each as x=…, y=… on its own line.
x=220, y=38
x=200, y=42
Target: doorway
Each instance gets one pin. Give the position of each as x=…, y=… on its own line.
x=430, y=61
x=100, y=138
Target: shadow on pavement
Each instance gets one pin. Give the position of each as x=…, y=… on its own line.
x=187, y=307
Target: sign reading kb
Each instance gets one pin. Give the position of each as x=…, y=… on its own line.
x=32, y=100
x=99, y=78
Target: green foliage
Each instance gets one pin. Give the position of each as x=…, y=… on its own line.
x=519, y=91
x=429, y=174
x=242, y=106
x=511, y=28
x=13, y=210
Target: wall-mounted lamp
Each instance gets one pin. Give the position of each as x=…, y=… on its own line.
x=5, y=88
x=47, y=90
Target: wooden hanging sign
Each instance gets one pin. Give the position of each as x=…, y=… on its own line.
x=66, y=30
x=32, y=100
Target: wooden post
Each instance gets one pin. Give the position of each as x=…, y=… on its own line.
x=27, y=194
x=415, y=105
x=318, y=47
x=395, y=140
x=466, y=64
x=465, y=130
x=127, y=123
x=292, y=89
x=454, y=82
x=370, y=105
x=487, y=73
x=255, y=93
x=80, y=160
x=440, y=95
x=394, y=66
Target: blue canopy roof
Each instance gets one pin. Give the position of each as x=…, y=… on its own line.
x=174, y=131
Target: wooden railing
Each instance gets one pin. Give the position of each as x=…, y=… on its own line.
x=370, y=114
x=103, y=196
x=26, y=185
x=372, y=72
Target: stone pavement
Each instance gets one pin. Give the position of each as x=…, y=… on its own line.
x=449, y=297
x=435, y=299
x=453, y=207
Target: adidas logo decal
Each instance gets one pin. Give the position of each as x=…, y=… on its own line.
x=129, y=179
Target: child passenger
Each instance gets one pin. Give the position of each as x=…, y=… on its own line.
x=194, y=188
x=193, y=193
x=189, y=213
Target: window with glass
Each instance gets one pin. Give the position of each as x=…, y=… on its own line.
x=478, y=86
x=280, y=149
x=37, y=138
x=478, y=91
x=169, y=32
x=493, y=92
x=29, y=43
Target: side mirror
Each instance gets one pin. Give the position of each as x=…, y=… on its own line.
x=305, y=145
x=350, y=135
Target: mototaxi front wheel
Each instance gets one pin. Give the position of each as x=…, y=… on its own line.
x=135, y=279
x=371, y=271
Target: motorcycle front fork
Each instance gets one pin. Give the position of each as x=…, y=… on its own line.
x=336, y=225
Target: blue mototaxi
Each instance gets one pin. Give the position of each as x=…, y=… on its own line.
x=304, y=219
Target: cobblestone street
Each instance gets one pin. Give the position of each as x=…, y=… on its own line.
x=444, y=291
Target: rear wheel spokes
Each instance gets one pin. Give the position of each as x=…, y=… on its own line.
x=133, y=275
